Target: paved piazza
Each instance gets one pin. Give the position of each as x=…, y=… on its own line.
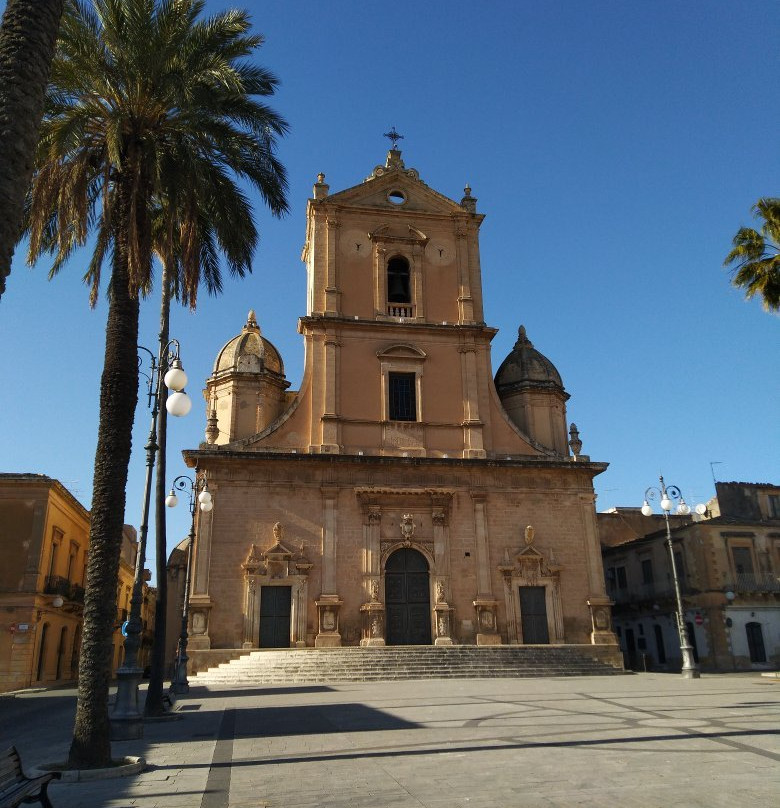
x=645, y=740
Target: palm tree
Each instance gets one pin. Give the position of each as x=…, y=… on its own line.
x=756, y=255
x=211, y=233
x=27, y=37
x=150, y=109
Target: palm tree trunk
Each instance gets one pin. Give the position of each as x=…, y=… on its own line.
x=91, y=747
x=28, y=35
x=154, y=695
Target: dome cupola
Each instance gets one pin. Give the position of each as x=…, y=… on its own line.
x=525, y=367
x=246, y=390
x=531, y=391
x=249, y=352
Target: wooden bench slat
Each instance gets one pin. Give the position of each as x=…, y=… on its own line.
x=16, y=787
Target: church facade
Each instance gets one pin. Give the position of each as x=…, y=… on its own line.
x=402, y=496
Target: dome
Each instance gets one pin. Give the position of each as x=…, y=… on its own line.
x=249, y=352
x=526, y=368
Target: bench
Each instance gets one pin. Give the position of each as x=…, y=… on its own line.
x=16, y=787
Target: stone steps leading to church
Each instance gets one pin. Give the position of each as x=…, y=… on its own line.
x=313, y=665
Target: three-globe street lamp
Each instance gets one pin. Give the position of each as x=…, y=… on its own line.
x=667, y=494
x=198, y=492
x=126, y=720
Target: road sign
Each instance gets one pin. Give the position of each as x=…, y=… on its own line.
x=699, y=619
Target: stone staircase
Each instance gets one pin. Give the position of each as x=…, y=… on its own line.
x=318, y=665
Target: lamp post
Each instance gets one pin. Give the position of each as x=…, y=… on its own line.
x=126, y=720
x=667, y=494
x=198, y=492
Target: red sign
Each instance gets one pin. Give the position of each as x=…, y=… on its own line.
x=699, y=619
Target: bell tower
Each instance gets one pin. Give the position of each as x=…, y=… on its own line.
x=397, y=351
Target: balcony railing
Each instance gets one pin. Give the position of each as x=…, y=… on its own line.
x=57, y=585
x=400, y=310
x=754, y=582
x=642, y=593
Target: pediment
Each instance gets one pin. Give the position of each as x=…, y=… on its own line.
x=402, y=351
x=376, y=190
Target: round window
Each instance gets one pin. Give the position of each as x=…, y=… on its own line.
x=396, y=197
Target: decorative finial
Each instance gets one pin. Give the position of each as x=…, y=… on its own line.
x=522, y=337
x=468, y=202
x=394, y=137
x=320, y=178
x=575, y=444
x=212, y=427
x=251, y=319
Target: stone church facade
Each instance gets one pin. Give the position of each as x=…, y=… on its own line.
x=402, y=496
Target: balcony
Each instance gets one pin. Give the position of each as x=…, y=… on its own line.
x=57, y=585
x=754, y=582
x=405, y=310
x=648, y=593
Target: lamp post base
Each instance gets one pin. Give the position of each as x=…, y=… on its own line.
x=690, y=670
x=179, y=684
x=127, y=723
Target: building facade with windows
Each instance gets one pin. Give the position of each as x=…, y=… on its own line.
x=44, y=544
x=402, y=495
x=728, y=565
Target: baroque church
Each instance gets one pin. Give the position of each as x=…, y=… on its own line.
x=403, y=495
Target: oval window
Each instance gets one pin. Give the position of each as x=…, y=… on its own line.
x=396, y=197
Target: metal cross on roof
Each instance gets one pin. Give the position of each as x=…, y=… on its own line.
x=394, y=136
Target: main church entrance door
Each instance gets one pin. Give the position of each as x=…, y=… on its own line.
x=275, y=616
x=407, y=599
x=533, y=612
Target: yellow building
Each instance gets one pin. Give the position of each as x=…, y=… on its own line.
x=403, y=495
x=44, y=543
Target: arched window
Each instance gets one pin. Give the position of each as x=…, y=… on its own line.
x=398, y=288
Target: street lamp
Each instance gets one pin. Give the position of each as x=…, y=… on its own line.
x=197, y=490
x=667, y=495
x=126, y=720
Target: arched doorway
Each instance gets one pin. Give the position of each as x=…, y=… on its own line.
x=755, y=641
x=407, y=598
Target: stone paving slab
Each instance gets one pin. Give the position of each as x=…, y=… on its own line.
x=640, y=741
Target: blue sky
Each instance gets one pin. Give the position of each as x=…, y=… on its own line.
x=615, y=148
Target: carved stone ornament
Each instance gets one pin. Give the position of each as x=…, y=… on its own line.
x=442, y=627
x=407, y=527
x=601, y=619
x=278, y=531
x=529, y=534
x=376, y=627
x=374, y=591
x=253, y=562
x=440, y=592
x=328, y=620
x=438, y=519
x=374, y=517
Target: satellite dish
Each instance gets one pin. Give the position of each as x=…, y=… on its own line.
x=701, y=509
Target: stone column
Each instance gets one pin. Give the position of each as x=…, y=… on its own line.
x=331, y=282
x=329, y=603
x=486, y=606
x=472, y=425
x=330, y=424
x=465, y=302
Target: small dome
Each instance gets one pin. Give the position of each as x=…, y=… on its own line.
x=526, y=368
x=249, y=352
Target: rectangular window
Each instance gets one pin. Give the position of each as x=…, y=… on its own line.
x=774, y=506
x=647, y=571
x=402, y=398
x=620, y=574
x=743, y=560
